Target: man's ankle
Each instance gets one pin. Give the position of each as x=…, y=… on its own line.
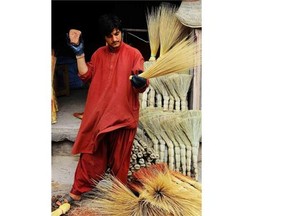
x=75, y=197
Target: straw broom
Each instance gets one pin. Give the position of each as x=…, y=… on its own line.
x=172, y=129
x=155, y=86
x=195, y=184
x=192, y=128
x=184, y=134
x=164, y=191
x=155, y=124
x=164, y=92
x=144, y=98
x=196, y=116
x=152, y=20
x=173, y=94
x=156, y=91
x=184, y=143
x=151, y=92
x=154, y=191
x=145, y=124
x=113, y=198
x=158, y=84
x=179, y=58
x=167, y=126
x=170, y=98
x=150, y=123
x=151, y=97
x=173, y=154
x=155, y=141
x=171, y=30
x=183, y=84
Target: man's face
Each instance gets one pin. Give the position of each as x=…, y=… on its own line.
x=114, y=39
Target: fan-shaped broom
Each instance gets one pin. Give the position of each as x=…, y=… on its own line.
x=152, y=20
x=165, y=124
x=158, y=84
x=193, y=129
x=171, y=30
x=168, y=79
x=182, y=84
x=155, y=86
x=145, y=124
x=179, y=58
x=172, y=129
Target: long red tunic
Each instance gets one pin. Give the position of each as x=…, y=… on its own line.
x=112, y=102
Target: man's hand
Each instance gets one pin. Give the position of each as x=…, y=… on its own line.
x=137, y=81
x=75, y=41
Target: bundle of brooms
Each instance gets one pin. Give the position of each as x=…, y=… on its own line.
x=143, y=154
x=180, y=53
x=154, y=191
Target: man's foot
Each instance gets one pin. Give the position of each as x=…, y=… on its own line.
x=68, y=198
x=78, y=115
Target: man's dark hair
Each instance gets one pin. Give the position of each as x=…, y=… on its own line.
x=107, y=23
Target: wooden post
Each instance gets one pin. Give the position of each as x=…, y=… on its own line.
x=197, y=73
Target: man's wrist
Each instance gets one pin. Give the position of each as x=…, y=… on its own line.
x=80, y=56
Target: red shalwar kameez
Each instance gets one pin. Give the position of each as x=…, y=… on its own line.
x=111, y=115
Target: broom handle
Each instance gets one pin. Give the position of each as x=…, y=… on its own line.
x=195, y=149
x=144, y=99
x=197, y=74
x=166, y=102
x=170, y=151
x=177, y=104
x=184, y=104
x=177, y=157
x=151, y=97
x=189, y=159
x=161, y=150
x=183, y=158
x=171, y=103
x=158, y=100
x=156, y=145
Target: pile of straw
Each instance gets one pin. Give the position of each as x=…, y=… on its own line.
x=154, y=191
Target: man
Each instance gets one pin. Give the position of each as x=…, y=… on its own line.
x=111, y=113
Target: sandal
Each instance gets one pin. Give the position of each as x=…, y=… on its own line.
x=66, y=199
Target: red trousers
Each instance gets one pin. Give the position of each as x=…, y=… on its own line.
x=113, y=151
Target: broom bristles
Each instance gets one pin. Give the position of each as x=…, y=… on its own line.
x=171, y=30
x=180, y=58
x=162, y=193
x=152, y=19
x=187, y=179
x=114, y=198
x=159, y=195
